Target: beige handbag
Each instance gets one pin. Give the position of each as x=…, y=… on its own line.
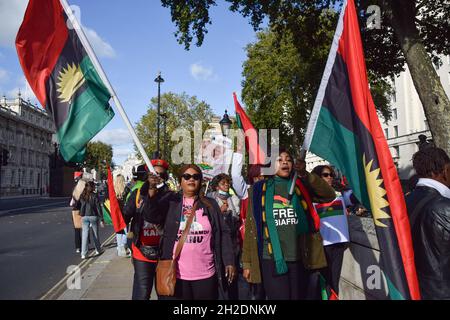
x=76, y=219
x=166, y=270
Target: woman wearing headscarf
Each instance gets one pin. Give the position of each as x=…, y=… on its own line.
x=229, y=206
x=333, y=227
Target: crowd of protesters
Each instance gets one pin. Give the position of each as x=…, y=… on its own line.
x=245, y=238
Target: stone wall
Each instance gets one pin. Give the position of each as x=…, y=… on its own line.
x=361, y=276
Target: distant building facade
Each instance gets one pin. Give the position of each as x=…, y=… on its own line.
x=26, y=132
x=126, y=169
x=408, y=119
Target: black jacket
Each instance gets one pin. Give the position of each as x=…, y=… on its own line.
x=431, y=240
x=167, y=209
x=91, y=207
x=131, y=213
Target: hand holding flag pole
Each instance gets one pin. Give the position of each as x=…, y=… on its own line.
x=302, y=156
x=105, y=80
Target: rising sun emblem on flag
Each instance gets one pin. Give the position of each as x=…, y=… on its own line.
x=376, y=193
x=70, y=80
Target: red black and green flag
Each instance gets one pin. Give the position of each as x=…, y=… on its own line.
x=256, y=154
x=344, y=129
x=114, y=208
x=62, y=76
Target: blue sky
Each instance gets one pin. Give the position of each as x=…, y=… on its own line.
x=134, y=40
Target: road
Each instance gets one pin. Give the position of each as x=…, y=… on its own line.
x=36, y=246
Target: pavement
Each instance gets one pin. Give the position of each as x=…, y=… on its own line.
x=106, y=277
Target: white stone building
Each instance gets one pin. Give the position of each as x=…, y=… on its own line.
x=407, y=123
x=26, y=132
x=408, y=119
x=126, y=169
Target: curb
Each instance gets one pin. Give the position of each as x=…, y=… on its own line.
x=8, y=212
x=60, y=291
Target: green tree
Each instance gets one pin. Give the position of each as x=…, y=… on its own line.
x=181, y=111
x=414, y=32
x=98, y=154
x=280, y=83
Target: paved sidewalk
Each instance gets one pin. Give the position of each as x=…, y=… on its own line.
x=109, y=277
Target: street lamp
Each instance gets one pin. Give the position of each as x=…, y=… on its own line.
x=158, y=80
x=225, y=124
x=164, y=116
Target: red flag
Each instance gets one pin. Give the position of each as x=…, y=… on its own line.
x=116, y=214
x=345, y=130
x=256, y=154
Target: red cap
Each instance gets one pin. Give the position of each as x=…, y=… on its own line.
x=77, y=174
x=160, y=163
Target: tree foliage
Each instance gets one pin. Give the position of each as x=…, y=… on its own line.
x=280, y=83
x=382, y=49
x=181, y=111
x=98, y=155
x=412, y=32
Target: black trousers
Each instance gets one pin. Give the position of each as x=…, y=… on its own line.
x=77, y=238
x=297, y=284
x=205, y=289
x=239, y=289
x=335, y=258
x=144, y=275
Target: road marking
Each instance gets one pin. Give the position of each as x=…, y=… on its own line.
x=33, y=207
x=81, y=265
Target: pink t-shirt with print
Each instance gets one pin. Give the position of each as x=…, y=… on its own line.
x=196, y=260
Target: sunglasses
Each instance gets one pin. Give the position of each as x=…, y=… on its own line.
x=326, y=175
x=187, y=176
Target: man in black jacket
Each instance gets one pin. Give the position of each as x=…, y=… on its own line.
x=146, y=234
x=429, y=213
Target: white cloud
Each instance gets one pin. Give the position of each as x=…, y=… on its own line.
x=11, y=16
x=101, y=47
x=200, y=72
x=25, y=91
x=114, y=137
x=123, y=152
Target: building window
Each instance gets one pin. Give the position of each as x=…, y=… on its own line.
x=386, y=133
x=395, y=131
x=396, y=152
x=394, y=114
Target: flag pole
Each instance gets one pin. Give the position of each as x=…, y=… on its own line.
x=302, y=156
x=84, y=40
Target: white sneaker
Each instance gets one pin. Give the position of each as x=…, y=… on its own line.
x=83, y=257
x=78, y=251
x=97, y=253
x=121, y=252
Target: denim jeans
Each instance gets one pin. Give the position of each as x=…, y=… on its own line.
x=121, y=239
x=89, y=222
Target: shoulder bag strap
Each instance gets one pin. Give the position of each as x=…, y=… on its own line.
x=185, y=231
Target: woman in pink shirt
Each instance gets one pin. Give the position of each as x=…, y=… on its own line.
x=206, y=261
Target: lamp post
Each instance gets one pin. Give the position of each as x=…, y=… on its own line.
x=158, y=80
x=164, y=116
x=225, y=124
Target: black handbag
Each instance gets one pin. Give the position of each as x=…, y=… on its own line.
x=150, y=252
